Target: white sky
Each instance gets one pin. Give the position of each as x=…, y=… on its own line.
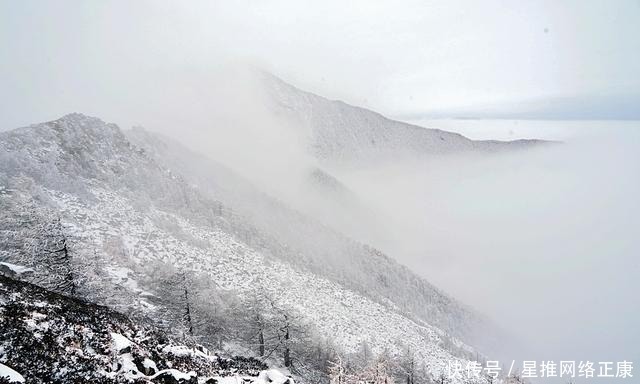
x=398, y=57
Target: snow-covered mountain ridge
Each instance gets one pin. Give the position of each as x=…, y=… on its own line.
x=337, y=132
x=126, y=212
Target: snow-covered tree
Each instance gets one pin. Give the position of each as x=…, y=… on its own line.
x=174, y=295
x=337, y=372
x=407, y=367
x=256, y=322
x=378, y=372
x=34, y=235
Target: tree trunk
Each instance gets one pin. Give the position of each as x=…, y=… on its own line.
x=70, y=283
x=261, y=342
x=187, y=309
x=287, y=352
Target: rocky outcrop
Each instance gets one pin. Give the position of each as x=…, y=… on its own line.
x=51, y=338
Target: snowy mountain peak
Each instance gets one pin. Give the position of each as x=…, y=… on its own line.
x=78, y=123
x=71, y=130
x=79, y=118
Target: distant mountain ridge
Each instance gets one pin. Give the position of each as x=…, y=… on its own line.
x=343, y=133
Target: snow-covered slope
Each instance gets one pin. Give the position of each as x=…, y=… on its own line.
x=337, y=132
x=50, y=338
x=333, y=310
x=131, y=212
x=271, y=225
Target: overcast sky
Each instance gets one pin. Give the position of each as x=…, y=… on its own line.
x=403, y=58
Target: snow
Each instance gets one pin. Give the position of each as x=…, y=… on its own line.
x=148, y=363
x=178, y=350
x=120, y=342
x=13, y=376
x=175, y=373
x=273, y=376
x=128, y=367
x=119, y=272
x=338, y=313
x=183, y=351
x=17, y=269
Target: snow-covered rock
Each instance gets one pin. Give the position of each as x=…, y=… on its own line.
x=120, y=343
x=10, y=374
x=273, y=376
x=14, y=269
x=50, y=338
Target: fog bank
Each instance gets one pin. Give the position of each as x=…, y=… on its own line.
x=545, y=242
